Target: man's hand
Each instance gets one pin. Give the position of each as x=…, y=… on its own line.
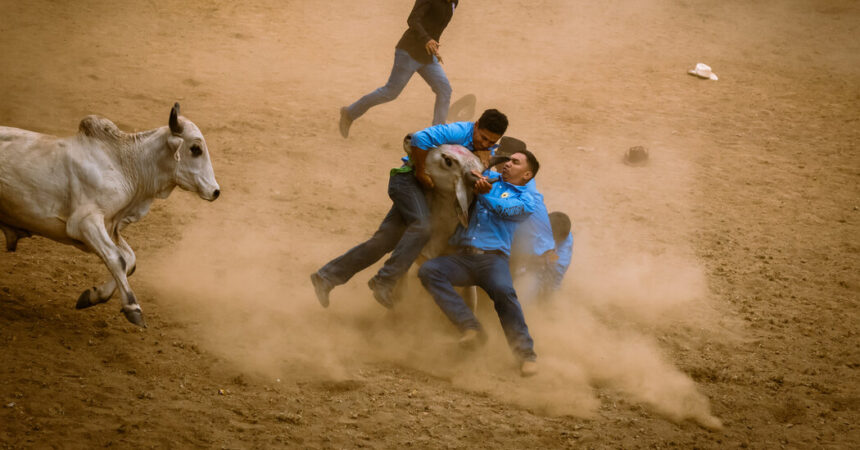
x=432, y=48
x=483, y=185
x=424, y=179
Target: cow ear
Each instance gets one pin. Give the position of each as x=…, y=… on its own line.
x=175, y=126
x=175, y=144
x=462, y=205
x=407, y=144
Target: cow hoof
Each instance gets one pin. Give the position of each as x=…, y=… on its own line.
x=136, y=317
x=84, y=300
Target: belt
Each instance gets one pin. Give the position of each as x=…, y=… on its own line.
x=478, y=251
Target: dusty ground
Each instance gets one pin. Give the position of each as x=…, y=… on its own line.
x=719, y=282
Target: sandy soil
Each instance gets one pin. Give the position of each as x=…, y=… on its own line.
x=719, y=283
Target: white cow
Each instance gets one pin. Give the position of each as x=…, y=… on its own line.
x=84, y=189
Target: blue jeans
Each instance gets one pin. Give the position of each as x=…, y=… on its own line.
x=401, y=72
x=491, y=273
x=404, y=231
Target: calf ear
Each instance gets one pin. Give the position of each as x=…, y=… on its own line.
x=175, y=126
x=175, y=145
x=462, y=205
x=407, y=144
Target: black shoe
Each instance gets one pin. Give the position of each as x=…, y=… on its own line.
x=322, y=287
x=345, y=122
x=382, y=292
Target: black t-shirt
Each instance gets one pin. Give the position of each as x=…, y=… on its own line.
x=426, y=21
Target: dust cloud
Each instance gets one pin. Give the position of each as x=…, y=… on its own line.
x=243, y=285
x=240, y=271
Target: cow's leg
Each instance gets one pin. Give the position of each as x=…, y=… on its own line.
x=11, y=238
x=91, y=231
x=470, y=296
x=103, y=293
x=12, y=235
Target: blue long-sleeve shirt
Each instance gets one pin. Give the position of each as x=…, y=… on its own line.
x=564, y=250
x=495, y=216
x=456, y=133
x=459, y=133
x=534, y=235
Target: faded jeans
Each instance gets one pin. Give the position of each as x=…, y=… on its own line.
x=401, y=72
x=491, y=273
x=404, y=231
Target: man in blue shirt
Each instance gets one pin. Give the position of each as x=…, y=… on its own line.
x=533, y=244
x=406, y=228
x=538, y=268
x=531, y=247
x=483, y=258
x=563, y=239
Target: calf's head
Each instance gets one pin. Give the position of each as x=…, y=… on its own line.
x=193, y=167
x=450, y=167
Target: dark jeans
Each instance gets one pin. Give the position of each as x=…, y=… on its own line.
x=492, y=274
x=404, y=231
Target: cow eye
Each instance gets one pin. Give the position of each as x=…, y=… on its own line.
x=196, y=151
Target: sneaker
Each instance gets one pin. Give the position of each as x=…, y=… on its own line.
x=322, y=287
x=345, y=122
x=528, y=368
x=382, y=292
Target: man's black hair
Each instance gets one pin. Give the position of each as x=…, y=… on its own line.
x=560, y=224
x=493, y=121
x=534, y=165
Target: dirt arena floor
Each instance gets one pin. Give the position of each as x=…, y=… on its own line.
x=712, y=301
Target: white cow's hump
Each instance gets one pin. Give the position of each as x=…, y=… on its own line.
x=102, y=128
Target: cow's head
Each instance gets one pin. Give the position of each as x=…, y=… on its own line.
x=450, y=167
x=193, y=167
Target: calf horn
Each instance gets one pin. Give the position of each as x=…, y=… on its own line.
x=496, y=160
x=175, y=126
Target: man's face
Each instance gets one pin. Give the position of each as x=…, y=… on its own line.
x=517, y=171
x=483, y=139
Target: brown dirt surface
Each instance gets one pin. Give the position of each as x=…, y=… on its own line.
x=717, y=283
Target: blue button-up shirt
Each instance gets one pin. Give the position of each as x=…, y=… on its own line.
x=495, y=217
x=457, y=133
x=564, y=250
x=534, y=235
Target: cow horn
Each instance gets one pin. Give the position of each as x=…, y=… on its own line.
x=470, y=179
x=496, y=160
x=175, y=126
